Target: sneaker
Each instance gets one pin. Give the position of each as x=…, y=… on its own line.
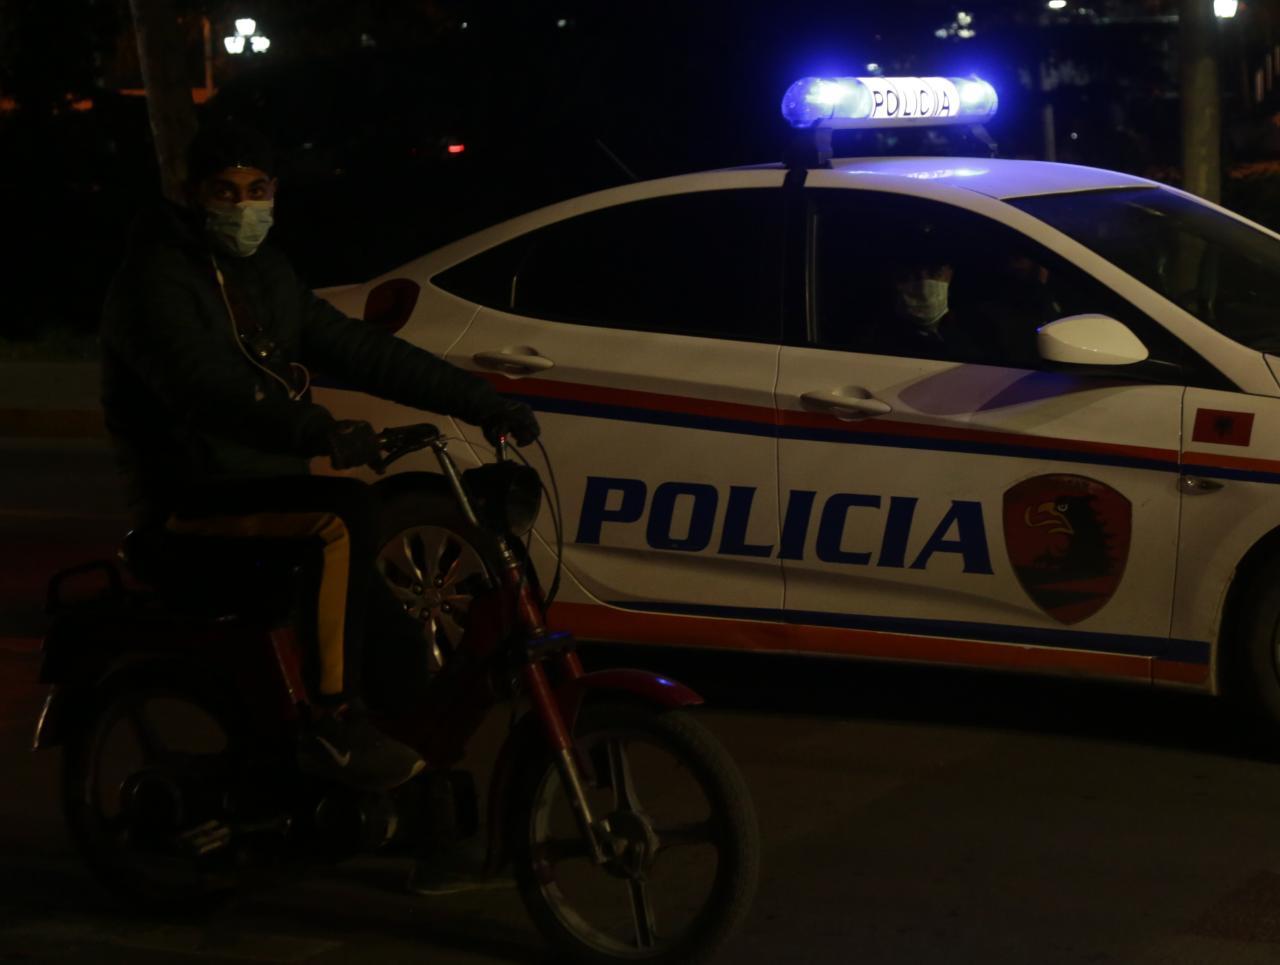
x=346, y=748
x=452, y=870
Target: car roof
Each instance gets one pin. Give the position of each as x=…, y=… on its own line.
x=994, y=177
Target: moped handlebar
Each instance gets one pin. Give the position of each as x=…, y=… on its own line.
x=399, y=441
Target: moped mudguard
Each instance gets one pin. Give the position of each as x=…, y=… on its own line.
x=640, y=684
x=526, y=741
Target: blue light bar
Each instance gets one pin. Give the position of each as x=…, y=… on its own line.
x=887, y=101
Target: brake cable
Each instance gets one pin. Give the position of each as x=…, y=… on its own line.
x=557, y=516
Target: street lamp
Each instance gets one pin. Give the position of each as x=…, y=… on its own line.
x=246, y=34
x=1225, y=9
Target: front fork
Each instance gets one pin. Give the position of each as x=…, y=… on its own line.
x=530, y=613
x=545, y=704
x=548, y=710
x=547, y=707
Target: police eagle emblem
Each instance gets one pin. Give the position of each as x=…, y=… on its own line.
x=1068, y=542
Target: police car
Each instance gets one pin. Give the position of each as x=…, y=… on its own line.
x=750, y=457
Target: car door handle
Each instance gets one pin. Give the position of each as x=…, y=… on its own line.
x=846, y=406
x=516, y=363
x=1198, y=485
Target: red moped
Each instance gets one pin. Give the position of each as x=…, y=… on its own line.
x=628, y=829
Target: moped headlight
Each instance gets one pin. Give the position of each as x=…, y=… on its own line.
x=505, y=495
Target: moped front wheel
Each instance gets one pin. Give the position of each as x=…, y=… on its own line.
x=682, y=841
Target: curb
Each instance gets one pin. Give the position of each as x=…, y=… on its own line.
x=52, y=424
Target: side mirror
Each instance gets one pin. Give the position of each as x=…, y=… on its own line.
x=1089, y=340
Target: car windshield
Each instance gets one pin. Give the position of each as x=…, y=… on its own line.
x=1223, y=271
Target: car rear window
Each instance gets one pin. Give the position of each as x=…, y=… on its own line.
x=707, y=263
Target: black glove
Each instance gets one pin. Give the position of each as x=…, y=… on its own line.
x=512, y=418
x=352, y=442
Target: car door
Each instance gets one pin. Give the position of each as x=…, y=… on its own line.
x=961, y=502
x=646, y=335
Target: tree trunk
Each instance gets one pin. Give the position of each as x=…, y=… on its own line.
x=1201, y=109
x=173, y=120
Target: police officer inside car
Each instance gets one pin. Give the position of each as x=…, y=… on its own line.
x=920, y=322
x=209, y=339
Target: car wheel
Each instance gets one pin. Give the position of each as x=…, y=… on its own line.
x=1252, y=668
x=435, y=563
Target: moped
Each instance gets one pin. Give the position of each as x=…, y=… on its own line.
x=177, y=693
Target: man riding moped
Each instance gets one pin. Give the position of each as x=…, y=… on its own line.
x=209, y=339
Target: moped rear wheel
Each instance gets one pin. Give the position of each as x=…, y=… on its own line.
x=146, y=777
x=682, y=831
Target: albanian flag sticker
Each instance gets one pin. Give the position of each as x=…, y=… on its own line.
x=1068, y=541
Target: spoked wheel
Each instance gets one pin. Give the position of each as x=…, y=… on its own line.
x=681, y=829
x=146, y=779
x=431, y=561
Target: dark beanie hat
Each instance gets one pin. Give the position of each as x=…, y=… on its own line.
x=226, y=144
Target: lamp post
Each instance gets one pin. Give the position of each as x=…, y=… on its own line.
x=1201, y=110
x=246, y=39
x=169, y=108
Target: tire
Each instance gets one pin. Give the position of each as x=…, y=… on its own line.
x=131, y=847
x=433, y=561
x=1252, y=664
x=545, y=841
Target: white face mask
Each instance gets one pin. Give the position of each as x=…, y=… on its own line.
x=923, y=300
x=240, y=228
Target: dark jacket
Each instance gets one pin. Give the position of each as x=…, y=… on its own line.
x=182, y=402
x=950, y=340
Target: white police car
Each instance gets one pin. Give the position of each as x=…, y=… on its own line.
x=1075, y=469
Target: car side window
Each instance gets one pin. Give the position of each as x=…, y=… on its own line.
x=708, y=263
x=911, y=277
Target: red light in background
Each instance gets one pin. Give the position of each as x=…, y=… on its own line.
x=456, y=148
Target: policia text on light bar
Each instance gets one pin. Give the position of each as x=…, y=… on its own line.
x=840, y=102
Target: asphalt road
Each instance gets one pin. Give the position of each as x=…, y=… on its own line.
x=909, y=815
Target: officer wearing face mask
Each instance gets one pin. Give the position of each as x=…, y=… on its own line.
x=209, y=341
x=921, y=322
